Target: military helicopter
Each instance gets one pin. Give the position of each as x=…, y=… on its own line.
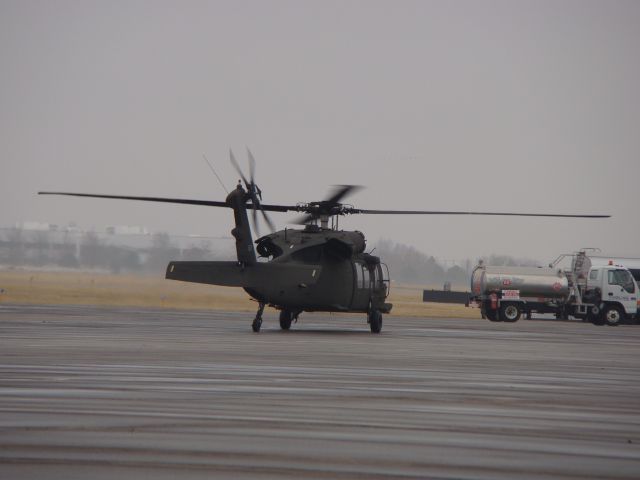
x=316, y=268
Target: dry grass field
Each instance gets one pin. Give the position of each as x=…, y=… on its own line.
x=83, y=288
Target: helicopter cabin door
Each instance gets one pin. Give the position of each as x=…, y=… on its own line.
x=362, y=286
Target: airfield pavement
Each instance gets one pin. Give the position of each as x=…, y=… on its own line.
x=103, y=393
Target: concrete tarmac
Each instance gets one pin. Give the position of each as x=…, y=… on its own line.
x=103, y=393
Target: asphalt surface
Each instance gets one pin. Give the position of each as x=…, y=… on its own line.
x=153, y=394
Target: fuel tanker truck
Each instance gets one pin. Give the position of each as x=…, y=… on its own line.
x=602, y=294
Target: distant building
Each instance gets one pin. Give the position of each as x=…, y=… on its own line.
x=34, y=226
x=126, y=230
x=42, y=244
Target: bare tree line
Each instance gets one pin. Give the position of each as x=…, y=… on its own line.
x=409, y=265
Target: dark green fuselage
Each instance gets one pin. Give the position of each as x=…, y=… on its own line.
x=310, y=269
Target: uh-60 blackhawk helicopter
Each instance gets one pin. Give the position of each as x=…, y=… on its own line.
x=316, y=268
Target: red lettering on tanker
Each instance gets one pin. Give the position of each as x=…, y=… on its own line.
x=511, y=294
x=557, y=286
x=506, y=282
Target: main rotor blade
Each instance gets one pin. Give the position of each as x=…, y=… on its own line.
x=435, y=212
x=296, y=208
x=280, y=208
x=327, y=206
x=238, y=169
x=185, y=201
x=303, y=220
x=342, y=191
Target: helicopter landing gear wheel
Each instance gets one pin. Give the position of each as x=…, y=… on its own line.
x=257, y=322
x=375, y=321
x=286, y=316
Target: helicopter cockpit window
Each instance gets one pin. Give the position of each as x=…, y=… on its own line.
x=360, y=278
x=358, y=271
x=365, y=277
x=378, y=281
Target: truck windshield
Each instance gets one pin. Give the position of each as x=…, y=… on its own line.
x=622, y=278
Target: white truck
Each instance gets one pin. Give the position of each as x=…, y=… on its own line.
x=593, y=288
x=632, y=264
x=604, y=293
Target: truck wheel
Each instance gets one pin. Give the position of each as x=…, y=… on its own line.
x=613, y=315
x=595, y=316
x=510, y=312
x=489, y=312
x=562, y=315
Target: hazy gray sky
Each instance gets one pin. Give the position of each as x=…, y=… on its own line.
x=484, y=105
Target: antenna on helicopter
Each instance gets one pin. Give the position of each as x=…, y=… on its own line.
x=215, y=173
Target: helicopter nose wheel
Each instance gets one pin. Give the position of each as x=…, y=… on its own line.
x=257, y=322
x=374, y=319
x=286, y=316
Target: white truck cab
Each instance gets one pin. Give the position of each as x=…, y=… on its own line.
x=617, y=291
